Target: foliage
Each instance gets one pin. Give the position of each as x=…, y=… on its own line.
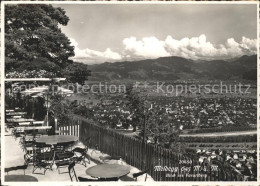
x=83, y=111
x=136, y=106
x=33, y=36
x=250, y=75
x=77, y=73
x=40, y=109
x=162, y=130
x=159, y=126
x=30, y=74
x=60, y=110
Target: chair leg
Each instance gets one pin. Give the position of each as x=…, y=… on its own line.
x=33, y=170
x=88, y=159
x=84, y=162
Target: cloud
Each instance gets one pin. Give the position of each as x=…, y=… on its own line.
x=148, y=47
x=151, y=47
x=193, y=48
x=93, y=56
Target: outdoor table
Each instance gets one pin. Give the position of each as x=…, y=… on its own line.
x=38, y=122
x=108, y=171
x=35, y=128
x=57, y=139
x=20, y=178
x=16, y=117
x=16, y=113
x=9, y=110
x=18, y=120
x=34, y=123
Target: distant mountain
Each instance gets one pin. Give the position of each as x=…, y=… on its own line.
x=173, y=68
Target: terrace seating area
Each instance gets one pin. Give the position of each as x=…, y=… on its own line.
x=36, y=155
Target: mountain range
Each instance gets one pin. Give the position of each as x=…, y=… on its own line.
x=176, y=68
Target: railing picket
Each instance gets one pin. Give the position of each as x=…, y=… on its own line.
x=134, y=152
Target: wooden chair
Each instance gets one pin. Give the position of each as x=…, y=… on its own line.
x=72, y=172
x=136, y=175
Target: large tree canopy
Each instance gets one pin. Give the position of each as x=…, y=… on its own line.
x=33, y=36
x=76, y=73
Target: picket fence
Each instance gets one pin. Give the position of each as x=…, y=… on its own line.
x=163, y=164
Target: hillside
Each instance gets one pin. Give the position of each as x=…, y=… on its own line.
x=173, y=68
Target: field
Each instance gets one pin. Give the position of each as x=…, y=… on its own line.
x=217, y=134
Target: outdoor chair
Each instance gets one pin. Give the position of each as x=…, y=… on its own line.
x=28, y=156
x=37, y=135
x=15, y=133
x=37, y=148
x=21, y=142
x=136, y=175
x=10, y=125
x=72, y=172
x=80, y=150
x=81, y=156
x=59, y=148
x=18, y=133
x=27, y=144
x=81, y=179
x=42, y=159
x=68, y=146
x=20, y=167
x=46, y=148
x=39, y=163
x=62, y=164
x=63, y=159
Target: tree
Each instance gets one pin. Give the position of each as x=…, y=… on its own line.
x=60, y=110
x=32, y=35
x=77, y=73
x=163, y=130
x=160, y=126
x=136, y=106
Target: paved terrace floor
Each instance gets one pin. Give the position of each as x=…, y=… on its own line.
x=14, y=156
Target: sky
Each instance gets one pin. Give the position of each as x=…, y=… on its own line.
x=124, y=32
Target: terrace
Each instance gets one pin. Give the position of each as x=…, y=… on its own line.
x=23, y=154
x=44, y=151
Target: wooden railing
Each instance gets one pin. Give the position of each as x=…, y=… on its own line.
x=143, y=156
